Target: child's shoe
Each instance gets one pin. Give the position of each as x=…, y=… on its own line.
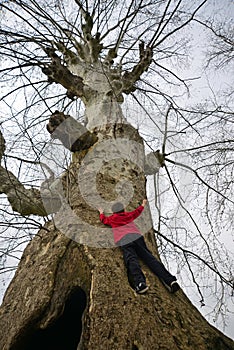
x=141, y=288
x=174, y=286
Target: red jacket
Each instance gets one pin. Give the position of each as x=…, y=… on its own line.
x=122, y=223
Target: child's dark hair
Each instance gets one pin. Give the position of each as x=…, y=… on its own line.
x=117, y=207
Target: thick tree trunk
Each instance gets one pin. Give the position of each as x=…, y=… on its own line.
x=62, y=284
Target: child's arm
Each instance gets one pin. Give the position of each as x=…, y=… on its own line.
x=135, y=213
x=104, y=219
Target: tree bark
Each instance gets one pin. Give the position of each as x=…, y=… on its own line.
x=55, y=269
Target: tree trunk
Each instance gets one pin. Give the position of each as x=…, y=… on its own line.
x=71, y=290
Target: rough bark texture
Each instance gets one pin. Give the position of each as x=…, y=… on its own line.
x=115, y=317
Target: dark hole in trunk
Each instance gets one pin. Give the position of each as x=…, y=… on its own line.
x=64, y=333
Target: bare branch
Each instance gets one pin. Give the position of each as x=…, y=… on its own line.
x=129, y=78
x=200, y=178
x=154, y=43
x=198, y=257
x=59, y=73
x=25, y=201
x=221, y=50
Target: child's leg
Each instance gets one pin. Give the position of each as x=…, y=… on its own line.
x=132, y=264
x=156, y=266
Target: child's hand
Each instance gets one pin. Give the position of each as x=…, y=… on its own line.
x=144, y=202
x=100, y=210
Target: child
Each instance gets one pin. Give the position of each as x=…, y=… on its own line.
x=129, y=238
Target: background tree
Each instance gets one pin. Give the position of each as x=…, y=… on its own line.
x=82, y=59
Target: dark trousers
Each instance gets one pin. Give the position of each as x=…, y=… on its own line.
x=134, y=249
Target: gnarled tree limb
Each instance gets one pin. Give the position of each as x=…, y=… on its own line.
x=73, y=135
x=26, y=201
x=59, y=73
x=129, y=78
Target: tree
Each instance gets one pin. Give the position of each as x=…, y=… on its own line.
x=71, y=281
